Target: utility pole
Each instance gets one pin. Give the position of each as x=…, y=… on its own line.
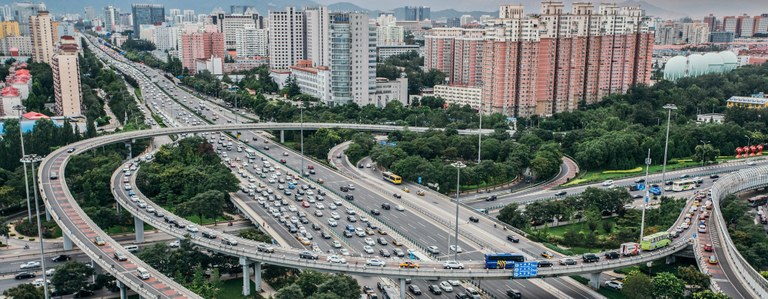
x=647, y=195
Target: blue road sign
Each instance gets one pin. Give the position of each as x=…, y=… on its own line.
x=526, y=269
x=646, y=199
x=694, y=235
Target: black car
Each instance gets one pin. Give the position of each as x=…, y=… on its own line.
x=474, y=219
x=348, y=234
x=325, y=235
x=397, y=195
x=344, y=189
x=463, y=296
x=491, y=198
x=513, y=239
x=209, y=235
x=84, y=293
x=590, y=258
x=414, y=289
x=386, y=206
x=24, y=275
x=612, y=255
x=360, y=166
x=434, y=289
x=316, y=226
x=545, y=263
x=308, y=255
x=349, y=197
x=714, y=176
x=561, y=193
x=384, y=253
x=375, y=212
x=61, y=258
x=638, y=181
x=514, y=294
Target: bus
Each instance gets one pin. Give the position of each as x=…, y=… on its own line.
x=250, y=153
x=757, y=201
x=502, y=260
x=655, y=241
x=392, y=178
x=683, y=185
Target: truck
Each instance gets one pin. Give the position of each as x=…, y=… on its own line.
x=629, y=249
x=389, y=292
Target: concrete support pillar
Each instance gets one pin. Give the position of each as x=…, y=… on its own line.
x=670, y=259
x=594, y=280
x=246, y=277
x=47, y=215
x=139, y=229
x=282, y=136
x=123, y=290
x=402, y=287
x=257, y=276
x=67, y=242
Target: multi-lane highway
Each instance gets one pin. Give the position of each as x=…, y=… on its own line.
x=361, y=203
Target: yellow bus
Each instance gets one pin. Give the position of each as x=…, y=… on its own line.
x=391, y=177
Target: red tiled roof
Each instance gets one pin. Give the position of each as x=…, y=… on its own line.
x=9, y=91
x=34, y=115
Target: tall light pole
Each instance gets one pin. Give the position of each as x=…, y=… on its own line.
x=480, y=131
x=21, y=110
x=32, y=159
x=301, y=119
x=749, y=140
x=669, y=108
x=647, y=195
x=458, y=166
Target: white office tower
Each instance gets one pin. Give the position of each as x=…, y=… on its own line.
x=317, y=35
x=353, y=59
x=250, y=41
x=111, y=18
x=286, y=36
x=166, y=38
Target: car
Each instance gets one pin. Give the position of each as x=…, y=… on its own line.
x=474, y=219
x=285, y=154
x=335, y=259
x=453, y=248
x=702, y=229
x=351, y=218
x=567, y=261
x=414, y=289
x=265, y=248
x=349, y=197
x=332, y=222
x=396, y=195
x=434, y=289
x=399, y=208
x=513, y=238
x=375, y=212
x=381, y=231
x=174, y=244
x=24, y=275
x=614, y=284
x=561, y=193
x=325, y=235
x=82, y=293
x=336, y=244
x=547, y=254
x=409, y=264
x=71, y=150
x=446, y=287
x=120, y=256
x=708, y=248
x=192, y=229
x=453, y=265
x=282, y=161
x=386, y=206
x=590, y=258
x=382, y=241
x=50, y=272
x=433, y=250
x=99, y=241
x=368, y=249
x=384, y=253
x=375, y=263
x=30, y=265
x=61, y=258
x=491, y=198
x=712, y=259
x=714, y=176
x=396, y=242
x=369, y=241
x=612, y=255
x=308, y=255
x=367, y=290
x=398, y=252
x=544, y=263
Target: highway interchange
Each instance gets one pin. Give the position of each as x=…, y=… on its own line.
x=412, y=225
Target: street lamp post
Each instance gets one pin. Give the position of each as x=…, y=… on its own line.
x=749, y=140
x=32, y=159
x=458, y=166
x=669, y=108
x=301, y=119
x=21, y=110
x=480, y=132
x=647, y=195
x=702, y=152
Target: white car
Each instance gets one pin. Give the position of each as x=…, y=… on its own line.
x=363, y=218
x=50, y=271
x=332, y=206
x=320, y=206
x=318, y=213
x=453, y=265
x=292, y=208
x=30, y=265
x=446, y=286
x=336, y=244
x=368, y=249
x=456, y=248
x=335, y=215
x=608, y=183
x=399, y=208
x=344, y=251
x=369, y=242
x=376, y=263
x=454, y=282
x=336, y=259
x=613, y=284
x=332, y=222
x=174, y=244
x=192, y=228
x=39, y=282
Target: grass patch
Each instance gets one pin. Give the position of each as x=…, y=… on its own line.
x=137, y=91
x=159, y=120
x=233, y=288
x=633, y=170
x=658, y=266
x=582, y=227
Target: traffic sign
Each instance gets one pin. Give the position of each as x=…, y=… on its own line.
x=694, y=235
x=419, y=180
x=526, y=269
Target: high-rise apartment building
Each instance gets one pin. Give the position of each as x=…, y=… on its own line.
x=21, y=11
x=353, y=59
x=111, y=18
x=730, y=24
x=682, y=32
x=286, y=38
x=711, y=22
x=66, y=79
x=189, y=15
x=390, y=35
x=5, y=13
x=90, y=13
x=42, y=32
x=547, y=63
x=745, y=26
x=413, y=13
x=9, y=28
x=241, y=9
x=166, y=38
x=761, y=24
x=200, y=45
x=230, y=23
x=146, y=14
x=251, y=41
x=316, y=41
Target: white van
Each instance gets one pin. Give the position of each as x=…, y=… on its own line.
x=131, y=248
x=142, y=273
x=54, y=175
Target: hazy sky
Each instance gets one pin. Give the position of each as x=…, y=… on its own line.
x=691, y=7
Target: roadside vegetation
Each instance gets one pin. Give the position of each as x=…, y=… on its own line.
x=750, y=238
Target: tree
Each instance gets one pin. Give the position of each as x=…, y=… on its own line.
x=24, y=291
x=71, y=277
x=694, y=278
x=512, y=215
x=636, y=286
x=707, y=294
x=309, y=281
x=706, y=153
x=667, y=285
x=341, y=285
x=289, y=292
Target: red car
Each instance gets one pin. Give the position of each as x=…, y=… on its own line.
x=282, y=161
x=708, y=247
x=305, y=204
x=310, y=167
